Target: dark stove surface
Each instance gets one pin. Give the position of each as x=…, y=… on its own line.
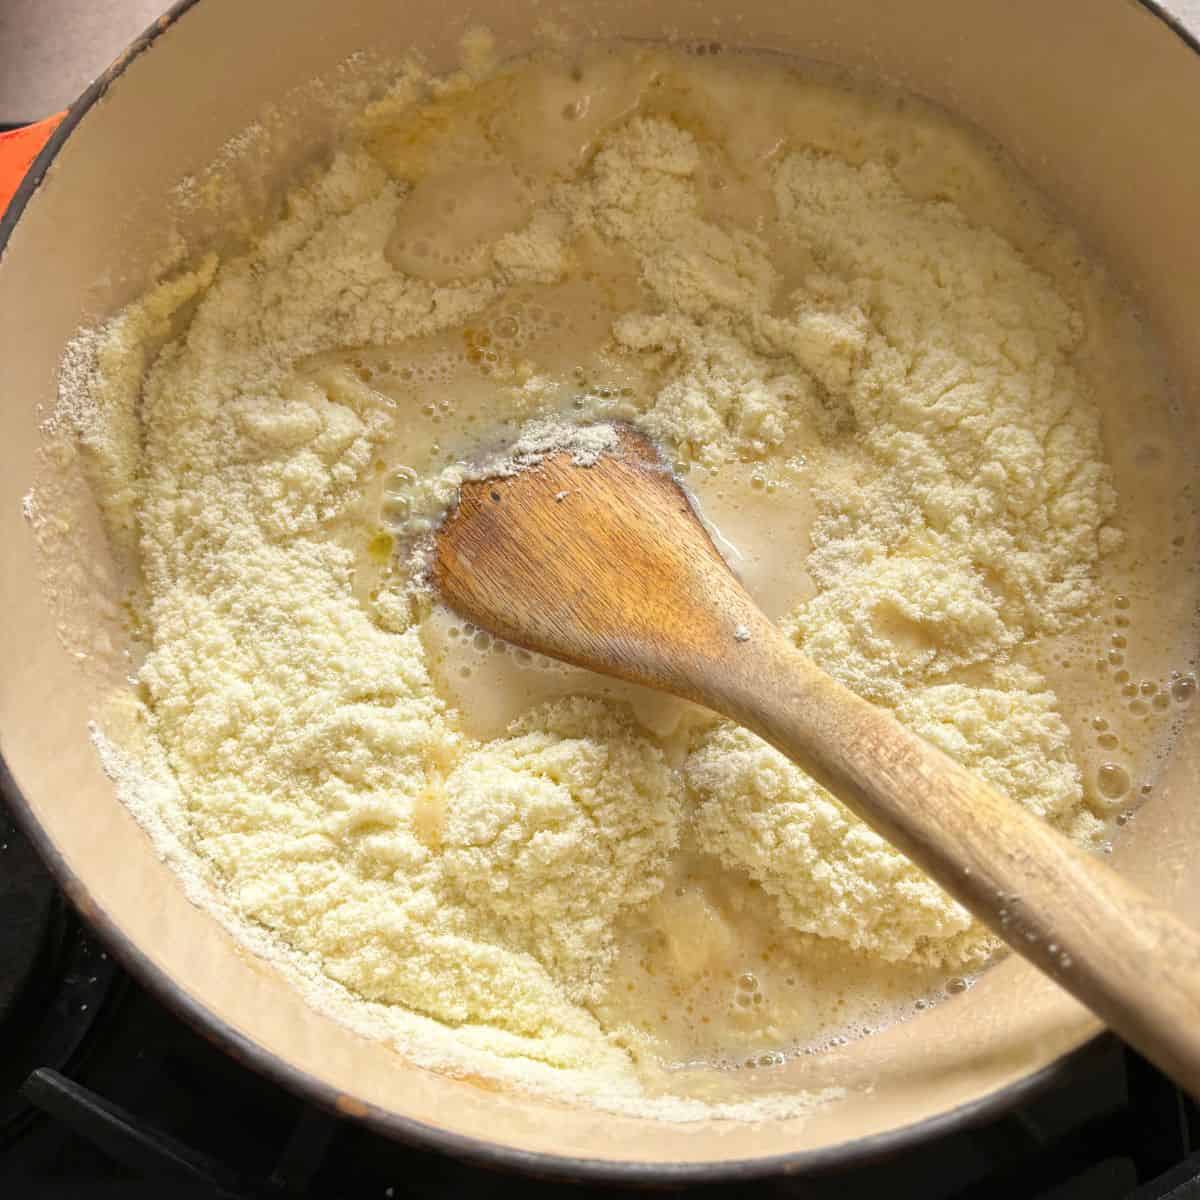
x=54, y=978
x=28, y=904
x=104, y=1093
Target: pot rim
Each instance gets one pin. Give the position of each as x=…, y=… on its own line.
x=823, y=1161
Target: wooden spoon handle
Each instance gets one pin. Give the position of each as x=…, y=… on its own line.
x=1132, y=962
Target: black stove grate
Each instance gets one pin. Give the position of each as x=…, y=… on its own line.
x=55, y=979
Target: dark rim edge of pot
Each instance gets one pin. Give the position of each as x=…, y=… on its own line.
x=862, y=1151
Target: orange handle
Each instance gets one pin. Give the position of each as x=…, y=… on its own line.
x=18, y=149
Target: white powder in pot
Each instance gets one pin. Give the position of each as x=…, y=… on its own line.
x=769, y=294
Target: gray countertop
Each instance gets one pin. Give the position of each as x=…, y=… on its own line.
x=51, y=49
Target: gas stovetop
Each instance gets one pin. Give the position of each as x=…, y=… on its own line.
x=105, y=1093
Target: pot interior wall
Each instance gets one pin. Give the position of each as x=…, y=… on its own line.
x=1097, y=100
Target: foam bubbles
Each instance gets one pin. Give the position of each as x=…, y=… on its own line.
x=1112, y=780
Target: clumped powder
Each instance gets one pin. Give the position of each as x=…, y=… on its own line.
x=783, y=290
x=835, y=877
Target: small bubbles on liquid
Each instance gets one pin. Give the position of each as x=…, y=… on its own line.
x=1148, y=687
x=1183, y=689
x=1108, y=741
x=1099, y=723
x=748, y=992
x=1121, y=677
x=396, y=508
x=1129, y=689
x=1161, y=701
x=1118, y=641
x=1113, y=780
x=956, y=985
x=481, y=641
x=1138, y=708
x=1115, y=658
x=1120, y=601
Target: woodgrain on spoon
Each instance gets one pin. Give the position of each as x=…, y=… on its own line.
x=607, y=566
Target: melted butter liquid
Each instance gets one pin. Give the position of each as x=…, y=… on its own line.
x=1125, y=678
x=705, y=973
x=491, y=683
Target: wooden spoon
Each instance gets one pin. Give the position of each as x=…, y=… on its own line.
x=607, y=566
